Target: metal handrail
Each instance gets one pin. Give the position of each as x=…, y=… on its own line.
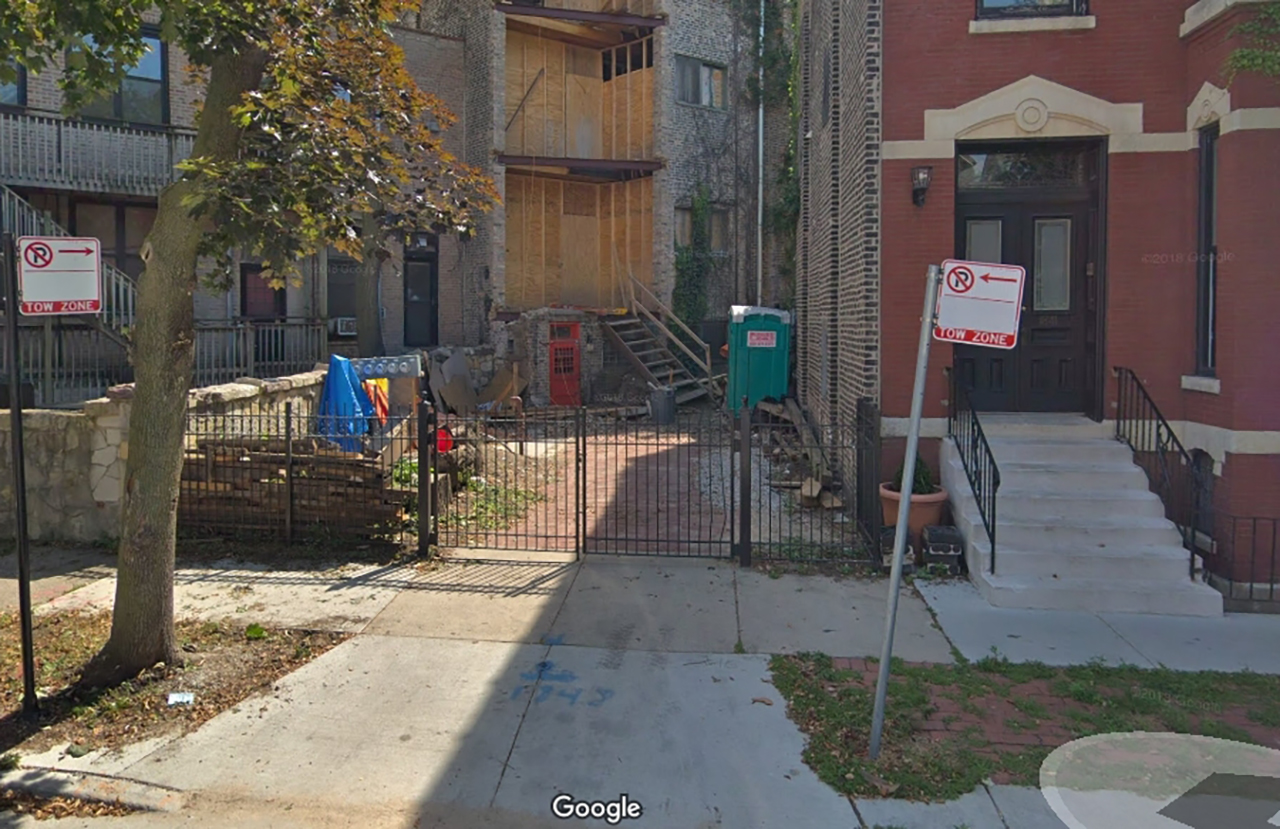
x=119, y=291
x=1171, y=471
x=965, y=430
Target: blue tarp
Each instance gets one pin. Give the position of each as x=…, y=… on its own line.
x=345, y=407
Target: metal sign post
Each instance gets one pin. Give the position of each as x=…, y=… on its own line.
x=904, y=504
x=29, y=703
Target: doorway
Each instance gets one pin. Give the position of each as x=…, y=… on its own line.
x=422, y=292
x=1037, y=206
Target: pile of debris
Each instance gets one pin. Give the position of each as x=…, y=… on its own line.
x=799, y=455
x=454, y=391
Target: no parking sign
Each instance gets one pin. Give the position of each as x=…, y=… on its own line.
x=980, y=304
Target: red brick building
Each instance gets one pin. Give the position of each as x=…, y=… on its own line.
x=1098, y=145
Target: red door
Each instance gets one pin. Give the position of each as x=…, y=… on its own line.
x=566, y=365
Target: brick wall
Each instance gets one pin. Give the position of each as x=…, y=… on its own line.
x=705, y=146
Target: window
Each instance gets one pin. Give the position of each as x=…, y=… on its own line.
x=142, y=97
x=121, y=228
x=1207, y=265
x=14, y=92
x=717, y=229
x=1031, y=8
x=343, y=274
x=258, y=300
x=700, y=84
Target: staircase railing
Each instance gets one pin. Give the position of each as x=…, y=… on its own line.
x=119, y=291
x=965, y=430
x=1171, y=471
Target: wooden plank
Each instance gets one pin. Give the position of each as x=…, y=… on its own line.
x=553, y=219
x=635, y=115
x=606, y=119
x=534, y=245
x=605, y=263
x=584, y=89
x=517, y=266
x=516, y=86
x=580, y=240
x=646, y=232
x=817, y=460
x=646, y=110
x=556, y=98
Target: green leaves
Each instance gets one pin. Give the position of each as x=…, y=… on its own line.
x=1261, y=55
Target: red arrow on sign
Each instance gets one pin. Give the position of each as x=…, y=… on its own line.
x=986, y=277
x=85, y=251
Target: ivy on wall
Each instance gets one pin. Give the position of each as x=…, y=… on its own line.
x=1261, y=54
x=693, y=264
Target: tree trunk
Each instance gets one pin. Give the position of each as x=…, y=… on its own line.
x=368, y=306
x=162, y=352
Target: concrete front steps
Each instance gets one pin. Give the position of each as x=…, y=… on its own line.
x=1076, y=524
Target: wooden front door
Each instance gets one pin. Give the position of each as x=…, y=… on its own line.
x=1048, y=231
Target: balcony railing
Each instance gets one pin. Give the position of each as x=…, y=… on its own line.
x=51, y=151
x=228, y=350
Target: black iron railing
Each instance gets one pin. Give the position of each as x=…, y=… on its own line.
x=965, y=430
x=1171, y=471
x=1242, y=559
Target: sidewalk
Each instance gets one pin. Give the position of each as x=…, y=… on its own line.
x=475, y=692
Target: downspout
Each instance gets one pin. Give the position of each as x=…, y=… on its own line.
x=760, y=171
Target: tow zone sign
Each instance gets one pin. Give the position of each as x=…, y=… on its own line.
x=980, y=304
x=59, y=275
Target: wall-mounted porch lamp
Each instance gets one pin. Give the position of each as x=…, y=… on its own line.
x=921, y=178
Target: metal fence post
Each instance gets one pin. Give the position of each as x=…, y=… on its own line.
x=426, y=476
x=744, y=504
x=288, y=471
x=46, y=386
x=580, y=484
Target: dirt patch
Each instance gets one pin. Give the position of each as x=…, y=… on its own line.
x=54, y=808
x=223, y=664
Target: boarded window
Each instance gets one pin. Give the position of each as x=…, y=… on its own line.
x=684, y=226
x=343, y=273
x=719, y=231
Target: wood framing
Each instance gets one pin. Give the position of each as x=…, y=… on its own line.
x=573, y=243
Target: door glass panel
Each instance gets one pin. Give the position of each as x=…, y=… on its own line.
x=1034, y=167
x=985, y=240
x=1053, y=265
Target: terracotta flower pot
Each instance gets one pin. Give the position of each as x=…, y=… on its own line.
x=926, y=510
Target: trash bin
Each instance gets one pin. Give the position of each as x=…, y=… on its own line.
x=662, y=405
x=759, y=355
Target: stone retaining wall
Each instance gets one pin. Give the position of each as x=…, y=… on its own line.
x=75, y=461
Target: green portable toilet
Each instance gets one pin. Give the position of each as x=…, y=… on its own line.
x=759, y=355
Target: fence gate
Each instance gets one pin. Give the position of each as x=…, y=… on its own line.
x=570, y=482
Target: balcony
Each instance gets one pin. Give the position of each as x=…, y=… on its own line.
x=48, y=151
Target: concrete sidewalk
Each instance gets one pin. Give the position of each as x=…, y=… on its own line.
x=474, y=693
x=1233, y=642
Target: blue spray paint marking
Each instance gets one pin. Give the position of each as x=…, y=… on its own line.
x=605, y=695
x=515, y=695
x=546, y=672
x=572, y=696
x=558, y=639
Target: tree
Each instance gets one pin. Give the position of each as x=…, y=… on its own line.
x=311, y=134
x=1261, y=54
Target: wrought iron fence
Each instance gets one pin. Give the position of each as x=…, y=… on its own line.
x=1242, y=560
x=294, y=475
x=802, y=506
x=965, y=429
x=1171, y=471
x=656, y=489
x=504, y=483
x=51, y=151
x=67, y=364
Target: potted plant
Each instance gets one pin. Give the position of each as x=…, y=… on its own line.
x=927, y=499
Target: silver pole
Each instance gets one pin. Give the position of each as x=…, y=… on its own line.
x=760, y=172
x=904, y=505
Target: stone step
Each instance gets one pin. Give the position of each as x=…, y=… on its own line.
x=1182, y=598
x=1148, y=564
x=1008, y=450
x=1075, y=534
x=1067, y=477
x=1054, y=427
x=1034, y=503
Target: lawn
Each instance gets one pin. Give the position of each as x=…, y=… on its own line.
x=950, y=727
